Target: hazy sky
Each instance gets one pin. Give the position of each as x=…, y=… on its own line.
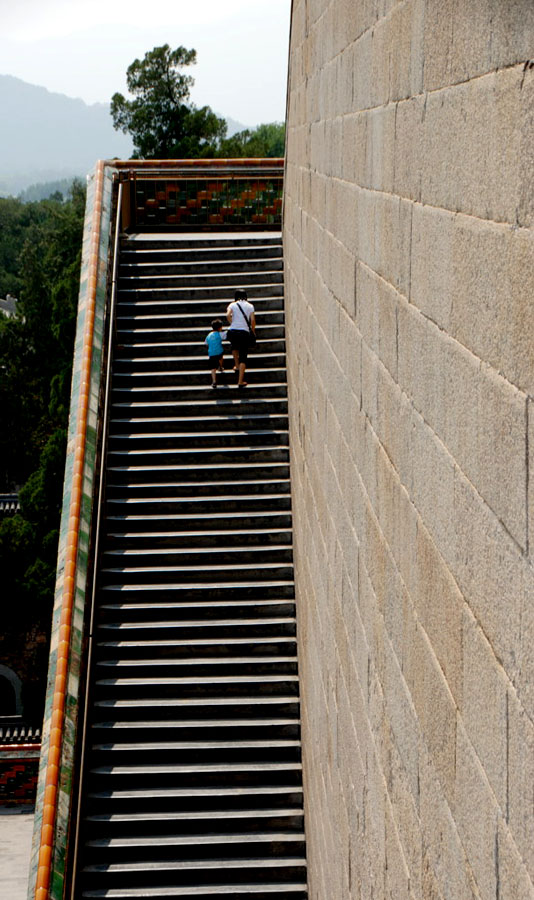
x=82, y=48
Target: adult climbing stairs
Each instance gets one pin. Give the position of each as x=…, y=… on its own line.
x=191, y=782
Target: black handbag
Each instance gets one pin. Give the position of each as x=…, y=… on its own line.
x=251, y=335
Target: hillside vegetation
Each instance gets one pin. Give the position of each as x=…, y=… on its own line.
x=40, y=254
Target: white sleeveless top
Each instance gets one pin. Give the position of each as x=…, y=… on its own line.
x=239, y=323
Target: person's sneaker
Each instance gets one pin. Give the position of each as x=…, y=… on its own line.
x=214, y=385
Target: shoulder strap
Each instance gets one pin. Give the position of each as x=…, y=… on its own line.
x=243, y=313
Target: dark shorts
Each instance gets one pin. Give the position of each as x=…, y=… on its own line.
x=215, y=361
x=240, y=341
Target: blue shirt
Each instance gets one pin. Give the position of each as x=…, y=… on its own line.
x=214, y=341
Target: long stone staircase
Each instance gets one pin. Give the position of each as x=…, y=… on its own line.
x=192, y=781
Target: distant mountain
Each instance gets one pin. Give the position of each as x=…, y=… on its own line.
x=47, y=137
x=234, y=126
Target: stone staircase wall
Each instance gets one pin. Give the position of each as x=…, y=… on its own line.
x=408, y=246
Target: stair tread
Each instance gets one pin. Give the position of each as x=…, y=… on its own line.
x=242, y=448
x=219, y=567
x=197, y=792
x=176, y=768
x=230, y=890
x=197, y=661
x=195, y=585
x=197, y=642
x=193, y=723
x=185, y=551
x=187, y=839
x=192, y=434
x=233, y=890
x=202, y=679
x=261, y=813
x=192, y=864
x=206, y=533
x=197, y=745
x=196, y=701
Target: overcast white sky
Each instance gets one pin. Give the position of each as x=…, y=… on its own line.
x=82, y=48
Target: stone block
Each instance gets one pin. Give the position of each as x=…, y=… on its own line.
x=439, y=607
x=397, y=876
x=402, y=719
x=379, y=149
x=476, y=816
x=435, y=707
x=409, y=148
x=456, y=41
x=407, y=49
x=489, y=569
x=463, y=43
x=377, y=316
x=530, y=498
x=443, y=854
x=349, y=354
x=392, y=238
x=432, y=488
x=513, y=879
x=492, y=286
x=500, y=470
x=479, y=416
x=472, y=146
x=485, y=707
x=432, y=272
x=520, y=761
x=525, y=209
x=362, y=52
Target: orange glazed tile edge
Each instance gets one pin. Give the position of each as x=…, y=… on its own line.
x=47, y=872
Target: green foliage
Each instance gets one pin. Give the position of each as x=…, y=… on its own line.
x=160, y=119
x=36, y=350
x=265, y=141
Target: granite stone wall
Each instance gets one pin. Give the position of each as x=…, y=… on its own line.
x=409, y=248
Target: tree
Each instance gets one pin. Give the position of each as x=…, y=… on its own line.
x=161, y=120
x=36, y=350
x=265, y=141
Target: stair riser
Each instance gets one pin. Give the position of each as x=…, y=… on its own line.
x=182, y=539
x=184, y=327
x=173, y=425
x=188, y=245
x=177, y=347
x=229, y=280
x=200, y=874
x=230, y=573
x=220, y=409
x=210, y=489
x=191, y=506
x=190, y=394
x=190, y=779
x=189, y=378
x=190, y=667
x=176, y=440
x=144, y=268
x=240, y=709
x=139, y=361
x=199, y=522
x=192, y=295
x=166, y=303
x=181, y=631
x=131, y=653
x=212, y=557
x=103, y=829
